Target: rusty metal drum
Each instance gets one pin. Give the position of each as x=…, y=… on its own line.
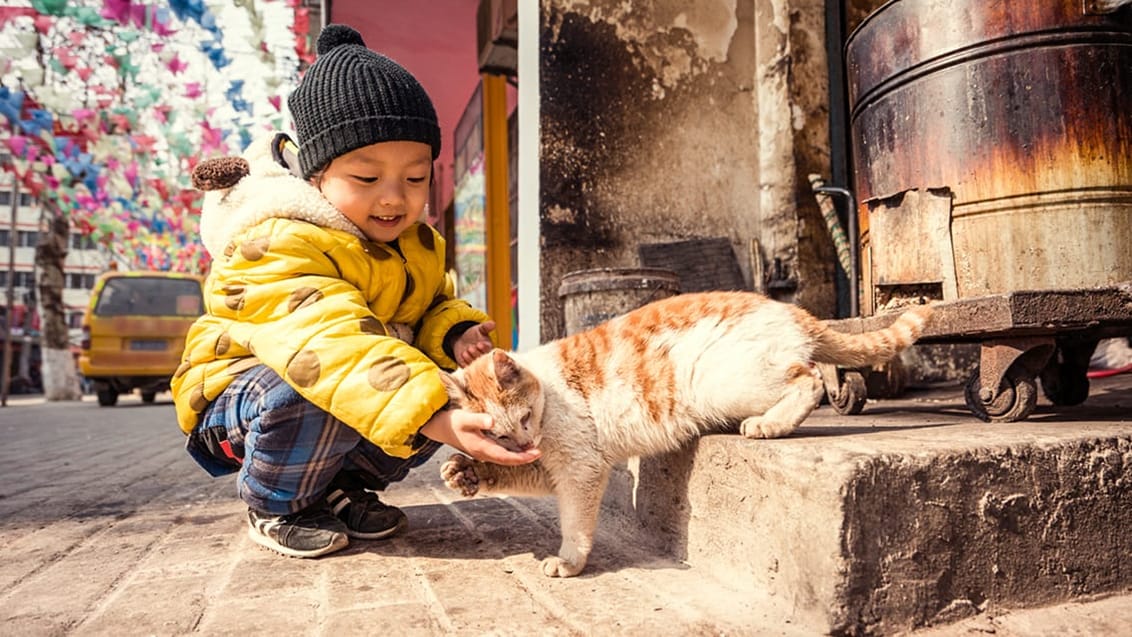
x=992, y=146
x=591, y=297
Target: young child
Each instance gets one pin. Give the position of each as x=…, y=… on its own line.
x=316, y=369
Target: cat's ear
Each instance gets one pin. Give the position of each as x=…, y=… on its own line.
x=505, y=368
x=455, y=389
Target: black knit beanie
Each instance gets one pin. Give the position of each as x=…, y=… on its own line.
x=353, y=97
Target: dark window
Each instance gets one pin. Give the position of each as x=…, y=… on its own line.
x=79, y=281
x=150, y=296
x=27, y=238
x=6, y=198
x=21, y=280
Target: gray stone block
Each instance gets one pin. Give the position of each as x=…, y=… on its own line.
x=897, y=521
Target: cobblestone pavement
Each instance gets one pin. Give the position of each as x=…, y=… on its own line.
x=108, y=528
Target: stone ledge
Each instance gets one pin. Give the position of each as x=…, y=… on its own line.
x=903, y=518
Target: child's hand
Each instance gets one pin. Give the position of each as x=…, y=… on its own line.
x=473, y=343
x=464, y=431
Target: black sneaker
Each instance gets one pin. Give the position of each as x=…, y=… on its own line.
x=309, y=533
x=366, y=516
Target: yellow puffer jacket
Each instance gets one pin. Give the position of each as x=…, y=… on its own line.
x=296, y=286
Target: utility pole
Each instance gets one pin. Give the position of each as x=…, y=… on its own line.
x=6, y=373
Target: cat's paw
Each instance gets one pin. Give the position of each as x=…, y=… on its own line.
x=755, y=427
x=459, y=474
x=555, y=566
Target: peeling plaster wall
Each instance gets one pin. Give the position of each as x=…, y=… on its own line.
x=793, y=112
x=652, y=130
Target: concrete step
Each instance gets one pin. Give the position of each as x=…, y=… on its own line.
x=911, y=514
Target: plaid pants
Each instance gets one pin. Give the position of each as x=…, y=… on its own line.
x=290, y=449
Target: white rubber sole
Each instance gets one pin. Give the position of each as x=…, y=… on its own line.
x=339, y=543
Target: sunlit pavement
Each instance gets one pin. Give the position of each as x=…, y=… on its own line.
x=108, y=528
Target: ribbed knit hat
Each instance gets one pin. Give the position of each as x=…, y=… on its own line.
x=353, y=97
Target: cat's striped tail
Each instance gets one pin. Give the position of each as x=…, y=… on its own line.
x=871, y=348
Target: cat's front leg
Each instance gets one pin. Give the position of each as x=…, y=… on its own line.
x=579, y=502
x=460, y=474
x=469, y=477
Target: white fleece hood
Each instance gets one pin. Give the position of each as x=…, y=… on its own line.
x=268, y=190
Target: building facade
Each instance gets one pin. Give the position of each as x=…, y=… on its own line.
x=20, y=225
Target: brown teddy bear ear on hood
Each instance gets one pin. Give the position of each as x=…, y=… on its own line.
x=219, y=173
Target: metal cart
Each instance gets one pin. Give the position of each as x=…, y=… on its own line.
x=1024, y=337
x=990, y=161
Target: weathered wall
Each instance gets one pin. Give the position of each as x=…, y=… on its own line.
x=663, y=120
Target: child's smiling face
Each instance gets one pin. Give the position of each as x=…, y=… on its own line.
x=382, y=188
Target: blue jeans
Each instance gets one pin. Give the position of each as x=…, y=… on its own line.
x=286, y=449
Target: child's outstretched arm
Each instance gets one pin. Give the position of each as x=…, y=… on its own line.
x=473, y=343
x=464, y=431
x=450, y=319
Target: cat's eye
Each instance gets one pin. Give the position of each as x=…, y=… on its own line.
x=526, y=421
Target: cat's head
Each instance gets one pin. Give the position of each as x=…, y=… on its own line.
x=497, y=385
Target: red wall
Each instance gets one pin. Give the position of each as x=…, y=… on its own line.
x=436, y=41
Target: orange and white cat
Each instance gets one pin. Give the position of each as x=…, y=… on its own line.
x=648, y=382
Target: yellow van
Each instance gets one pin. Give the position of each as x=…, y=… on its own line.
x=134, y=331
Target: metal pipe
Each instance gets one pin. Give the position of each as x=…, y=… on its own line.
x=839, y=159
x=840, y=169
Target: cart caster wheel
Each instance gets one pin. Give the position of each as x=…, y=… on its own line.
x=851, y=394
x=1014, y=401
